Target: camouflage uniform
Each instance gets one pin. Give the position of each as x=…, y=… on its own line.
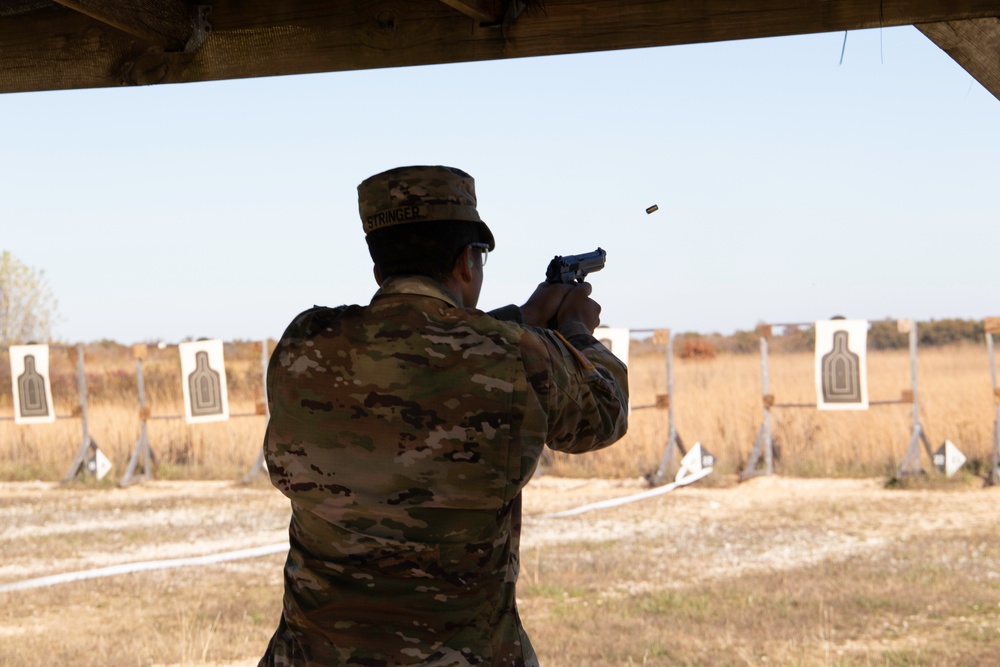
x=403, y=433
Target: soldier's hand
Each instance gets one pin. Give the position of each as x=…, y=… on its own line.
x=577, y=306
x=544, y=302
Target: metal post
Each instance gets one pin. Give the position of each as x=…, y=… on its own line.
x=763, y=441
x=81, y=388
x=87, y=443
x=911, y=462
x=674, y=433
x=669, y=459
x=913, y=377
x=143, y=453
x=766, y=386
x=994, y=476
x=671, y=427
x=259, y=463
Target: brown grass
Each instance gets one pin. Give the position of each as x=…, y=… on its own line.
x=717, y=402
x=770, y=572
x=223, y=450
x=902, y=607
x=181, y=616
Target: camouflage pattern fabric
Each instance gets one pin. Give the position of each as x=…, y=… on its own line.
x=403, y=433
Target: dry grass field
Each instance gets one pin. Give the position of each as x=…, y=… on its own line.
x=717, y=402
x=223, y=450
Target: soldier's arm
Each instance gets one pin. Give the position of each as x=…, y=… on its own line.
x=509, y=313
x=540, y=308
x=581, y=386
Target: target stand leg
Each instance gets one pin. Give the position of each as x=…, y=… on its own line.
x=670, y=461
x=143, y=456
x=84, y=462
x=255, y=469
x=911, y=462
x=762, y=445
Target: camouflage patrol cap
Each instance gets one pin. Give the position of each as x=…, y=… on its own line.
x=416, y=194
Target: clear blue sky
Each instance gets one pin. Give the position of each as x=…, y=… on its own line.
x=790, y=187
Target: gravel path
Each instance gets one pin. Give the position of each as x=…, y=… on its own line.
x=764, y=524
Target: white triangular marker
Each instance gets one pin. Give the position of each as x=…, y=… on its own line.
x=953, y=458
x=949, y=458
x=99, y=464
x=696, y=460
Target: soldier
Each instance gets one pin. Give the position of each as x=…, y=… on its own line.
x=404, y=431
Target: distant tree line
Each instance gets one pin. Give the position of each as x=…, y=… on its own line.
x=884, y=336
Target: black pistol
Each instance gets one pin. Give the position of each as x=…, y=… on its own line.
x=574, y=268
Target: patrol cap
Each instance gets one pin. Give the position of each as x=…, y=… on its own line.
x=420, y=193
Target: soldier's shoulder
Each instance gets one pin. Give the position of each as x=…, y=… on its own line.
x=510, y=331
x=313, y=321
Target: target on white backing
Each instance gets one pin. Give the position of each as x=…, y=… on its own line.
x=842, y=365
x=203, y=379
x=616, y=340
x=32, y=390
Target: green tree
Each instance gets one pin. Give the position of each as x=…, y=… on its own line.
x=27, y=307
x=948, y=331
x=884, y=335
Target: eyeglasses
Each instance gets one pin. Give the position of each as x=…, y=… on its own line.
x=484, y=248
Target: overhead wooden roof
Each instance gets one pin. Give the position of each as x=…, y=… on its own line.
x=62, y=44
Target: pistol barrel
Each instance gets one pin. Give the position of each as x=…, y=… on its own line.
x=574, y=268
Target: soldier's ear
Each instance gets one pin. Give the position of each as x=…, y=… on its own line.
x=378, y=275
x=464, y=265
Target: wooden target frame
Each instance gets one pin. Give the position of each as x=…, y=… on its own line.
x=991, y=325
x=764, y=443
x=674, y=449
x=142, y=464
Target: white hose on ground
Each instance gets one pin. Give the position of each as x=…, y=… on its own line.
x=127, y=568
x=615, y=502
x=211, y=559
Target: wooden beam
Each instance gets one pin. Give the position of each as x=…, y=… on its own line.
x=485, y=11
x=974, y=44
x=169, y=24
x=57, y=48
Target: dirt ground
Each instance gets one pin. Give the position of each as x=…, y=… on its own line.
x=710, y=532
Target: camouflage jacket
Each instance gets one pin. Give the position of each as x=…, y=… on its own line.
x=403, y=433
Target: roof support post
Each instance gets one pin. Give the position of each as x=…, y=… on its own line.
x=974, y=44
